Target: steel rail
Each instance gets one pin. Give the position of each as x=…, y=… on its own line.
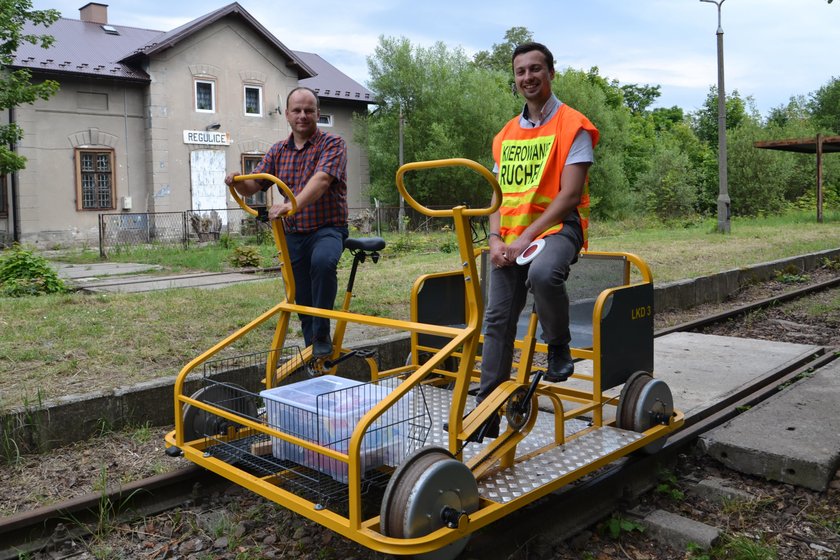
x=592, y=499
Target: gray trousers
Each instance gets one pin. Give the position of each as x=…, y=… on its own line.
x=545, y=276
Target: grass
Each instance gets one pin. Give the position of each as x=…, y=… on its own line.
x=74, y=343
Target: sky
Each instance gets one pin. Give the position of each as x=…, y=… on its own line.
x=773, y=49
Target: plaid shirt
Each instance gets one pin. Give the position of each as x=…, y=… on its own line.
x=323, y=152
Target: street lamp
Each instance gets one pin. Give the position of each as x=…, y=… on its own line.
x=723, y=195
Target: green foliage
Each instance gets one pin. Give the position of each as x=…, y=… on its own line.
x=617, y=524
x=602, y=102
x=669, y=485
x=791, y=274
x=705, y=119
x=15, y=85
x=245, y=256
x=449, y=108
x=744, y=548
x=23, y=273
x=639, y=98
x=825, y=106
x=757, y=178
x=499, y=58
x=670, y=184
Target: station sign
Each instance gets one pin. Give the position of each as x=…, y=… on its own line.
x=209, y=137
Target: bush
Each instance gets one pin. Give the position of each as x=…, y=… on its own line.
x=246, y=256
x=23, y=273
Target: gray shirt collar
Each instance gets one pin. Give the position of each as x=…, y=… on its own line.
x=549, y=110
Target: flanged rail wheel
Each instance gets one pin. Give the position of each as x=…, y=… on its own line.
x=429, y=490
x=645, y=402
x=199, y=423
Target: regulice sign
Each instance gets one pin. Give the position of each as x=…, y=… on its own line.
x=210, y=137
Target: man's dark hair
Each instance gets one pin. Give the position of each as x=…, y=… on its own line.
x=528, y=47
x=310, y=90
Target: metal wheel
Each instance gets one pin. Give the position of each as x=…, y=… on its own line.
x=647, y=402
x=199, y=423
x=429, y=490
x=628, y=397
x=518, y=411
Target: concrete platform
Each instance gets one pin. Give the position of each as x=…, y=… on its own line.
x=792, y=437
x=701, y=368
x=110, y=277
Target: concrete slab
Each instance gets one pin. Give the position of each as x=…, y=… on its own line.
x=679, y=532
x=792, y=437
x=136, y=284
x=701, y=368
x=78, y=272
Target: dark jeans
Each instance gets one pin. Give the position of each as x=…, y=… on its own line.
x=314, y=259
x=546, y=277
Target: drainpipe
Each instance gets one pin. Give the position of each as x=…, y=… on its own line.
x=15, y=199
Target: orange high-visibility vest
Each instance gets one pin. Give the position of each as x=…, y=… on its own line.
x=530, y=162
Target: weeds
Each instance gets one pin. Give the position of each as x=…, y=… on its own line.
x=23, y=273
x=616, y=525
x=791, y=274
x=668, y=485
x=744, y=548
x=245, y=256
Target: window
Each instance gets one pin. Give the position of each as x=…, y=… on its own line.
x=253, y=101
x=249, y=162
x=325, y=120
x=95, y=179
x=205, y=98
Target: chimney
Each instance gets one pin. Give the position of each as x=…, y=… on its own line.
x=94, y=13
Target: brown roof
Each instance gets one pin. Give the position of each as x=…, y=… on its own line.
x=802, y=145
x=88, y=49
x=84, y=48
x=172, y=38
x=332, y=83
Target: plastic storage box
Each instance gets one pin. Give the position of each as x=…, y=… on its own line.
x=325, y=410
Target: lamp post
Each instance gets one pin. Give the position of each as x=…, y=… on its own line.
x=723, y=188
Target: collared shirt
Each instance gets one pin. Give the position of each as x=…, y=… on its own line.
x=323, y=152
x=548, y=111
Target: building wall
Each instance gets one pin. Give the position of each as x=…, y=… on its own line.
x=83, y=114
x=145, y=124
x=358, y=171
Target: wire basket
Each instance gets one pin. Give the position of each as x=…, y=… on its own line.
x=322, y=410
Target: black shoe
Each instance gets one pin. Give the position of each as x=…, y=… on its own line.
x=321, y=347
x=560, y=364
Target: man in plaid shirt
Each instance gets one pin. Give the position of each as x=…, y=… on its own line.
x=313, y=164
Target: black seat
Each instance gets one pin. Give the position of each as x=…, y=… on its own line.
x=364, y=243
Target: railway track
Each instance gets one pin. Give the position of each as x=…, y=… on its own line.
x=591, y=499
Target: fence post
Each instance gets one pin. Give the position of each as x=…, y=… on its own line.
x=102, y=236
x=185, y=233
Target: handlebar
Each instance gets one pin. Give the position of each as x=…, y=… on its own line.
x=286, y=191
x=480, y=169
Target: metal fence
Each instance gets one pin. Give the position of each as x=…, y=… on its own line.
x=123, y=230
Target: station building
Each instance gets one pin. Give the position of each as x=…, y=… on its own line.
x=150, y=121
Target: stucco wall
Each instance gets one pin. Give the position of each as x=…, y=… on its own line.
x=145, y=124
x=91, y=113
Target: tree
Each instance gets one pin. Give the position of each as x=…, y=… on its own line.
x=639, y=98
x=16, y=87
x=705, y=120
x=825, y=106
x=499, y=57
x=451, y=107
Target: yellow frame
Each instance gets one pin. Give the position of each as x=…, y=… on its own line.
x=463, y=343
